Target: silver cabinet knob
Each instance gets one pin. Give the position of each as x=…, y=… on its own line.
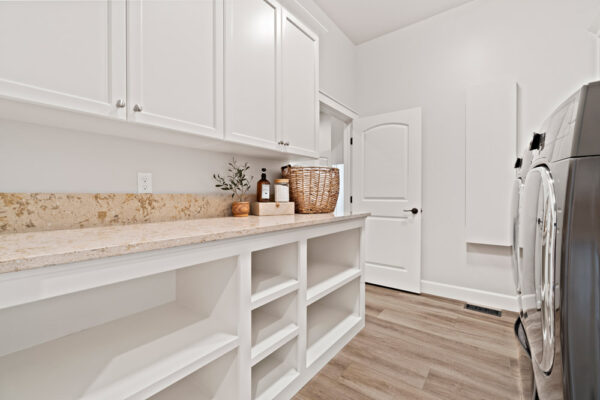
x=286, y=144
x=120, y=103
x=280, y=142
x=137, y=108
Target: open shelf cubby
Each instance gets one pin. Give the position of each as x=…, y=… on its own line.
x=128, y=339
x=215, y=381
x=274, y=273
x=332, y=261
x=330, y=318
x=273, y=325
x=275, y=373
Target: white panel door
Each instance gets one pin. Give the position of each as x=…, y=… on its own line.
x=68, y=54
x=300, y=83
x=175, y=64
x=252, y=54
x=387, y=183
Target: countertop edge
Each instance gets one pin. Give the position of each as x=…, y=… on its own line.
x=17, y=264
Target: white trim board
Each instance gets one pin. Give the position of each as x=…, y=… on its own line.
x=473, y=296
x=336, y=108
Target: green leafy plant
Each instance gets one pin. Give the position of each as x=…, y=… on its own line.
x=235, y=180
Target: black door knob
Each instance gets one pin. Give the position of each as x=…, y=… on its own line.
x=413, y=210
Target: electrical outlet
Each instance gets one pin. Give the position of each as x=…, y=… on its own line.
x=144, y=182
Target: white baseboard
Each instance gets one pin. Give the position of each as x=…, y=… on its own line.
x=473, y=296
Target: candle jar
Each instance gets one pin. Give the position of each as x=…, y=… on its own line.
x=282, y=190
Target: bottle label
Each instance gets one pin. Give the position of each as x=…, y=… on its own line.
x=265, y=193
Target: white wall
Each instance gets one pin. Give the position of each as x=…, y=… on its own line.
x=544, y=45
x=336, y=52
x=35, y=158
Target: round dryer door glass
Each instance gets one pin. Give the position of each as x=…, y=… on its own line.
x=538, y=240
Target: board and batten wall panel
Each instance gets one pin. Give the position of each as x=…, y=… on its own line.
x=491, y=143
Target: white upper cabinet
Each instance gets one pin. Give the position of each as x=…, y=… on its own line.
x=300, y=87
x=244, y=71
x=175, y=64
x=67, y=54
x=252, y=66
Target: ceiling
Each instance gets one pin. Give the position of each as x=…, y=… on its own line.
x=363, y=20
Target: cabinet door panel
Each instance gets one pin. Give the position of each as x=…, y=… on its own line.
x=300, y=87
x=175, y=64
x=69, y=54
x=252, y=64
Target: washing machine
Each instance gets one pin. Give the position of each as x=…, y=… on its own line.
x=558, y=251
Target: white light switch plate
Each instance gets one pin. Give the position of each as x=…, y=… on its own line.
x=144, y=182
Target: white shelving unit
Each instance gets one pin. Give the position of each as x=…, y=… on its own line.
x=274, y=373
x=274, y=273
x=330, y=318
x=134, y=355
x=250, y=318
x=273, y=325
x=333, y=261
x=217, y=380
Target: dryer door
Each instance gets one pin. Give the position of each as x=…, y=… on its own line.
x=538, y=240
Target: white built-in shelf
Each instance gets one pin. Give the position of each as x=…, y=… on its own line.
x=326, y=278
x=325, y=327
x=137, y=355
x=215, y=381
x=274, y=273
x=267, y=287
x=274, y=373
x=332, y=262
x=273, y=325
x=330, y=319
x=270, y=333
x=182, y=392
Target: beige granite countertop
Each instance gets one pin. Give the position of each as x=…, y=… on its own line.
x=22, y=251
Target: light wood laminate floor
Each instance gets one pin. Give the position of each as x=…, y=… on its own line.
x=422, y=347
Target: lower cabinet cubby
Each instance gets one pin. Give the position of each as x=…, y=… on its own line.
x=273, y=325
x=128, y=339
x=274, y=273
x=332, y=261
x=330, y=318
x=275, y=372
x=215, y=381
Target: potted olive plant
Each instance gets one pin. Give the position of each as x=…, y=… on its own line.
x=238, y=184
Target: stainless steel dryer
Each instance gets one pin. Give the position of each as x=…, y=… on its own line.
x=558, y=251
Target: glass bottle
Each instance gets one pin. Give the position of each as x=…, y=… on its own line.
x=263, y=191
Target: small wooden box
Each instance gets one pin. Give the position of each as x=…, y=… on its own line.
x=272, y=208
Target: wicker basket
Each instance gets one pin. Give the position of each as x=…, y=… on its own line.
x=315, y=190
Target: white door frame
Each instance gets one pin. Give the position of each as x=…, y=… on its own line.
x=333, y=107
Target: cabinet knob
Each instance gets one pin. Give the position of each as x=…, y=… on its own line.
x=280, y=142
x=286, y=144
x=120, y=103
x=137, y=108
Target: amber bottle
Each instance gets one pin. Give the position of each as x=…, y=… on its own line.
x=263, y=191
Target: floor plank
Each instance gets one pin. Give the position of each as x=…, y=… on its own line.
x=422, y=347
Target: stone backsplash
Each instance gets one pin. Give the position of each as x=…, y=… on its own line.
x=29, y=212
